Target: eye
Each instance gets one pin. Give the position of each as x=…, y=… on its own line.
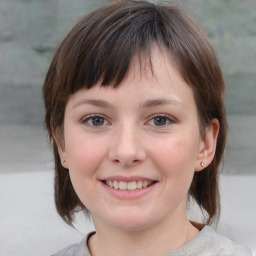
x=161, y=120
x=94, y=120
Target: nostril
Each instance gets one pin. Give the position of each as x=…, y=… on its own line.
x=127, y=155
x=126, y=161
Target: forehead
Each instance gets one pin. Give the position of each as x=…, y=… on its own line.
x=148, y=80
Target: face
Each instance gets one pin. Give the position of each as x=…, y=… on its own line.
x=132, y=151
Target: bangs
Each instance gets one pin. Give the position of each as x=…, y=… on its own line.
x=102, y=46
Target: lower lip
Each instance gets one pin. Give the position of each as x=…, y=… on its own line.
x=128, y=194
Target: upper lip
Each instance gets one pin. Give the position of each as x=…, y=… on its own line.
x=127, y=179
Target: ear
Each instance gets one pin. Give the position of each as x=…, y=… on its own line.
x=207, y=146
x=61, y=148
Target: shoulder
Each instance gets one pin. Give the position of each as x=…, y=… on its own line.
x=223, y=246
x=79, y=249
x=209, y=243
x=68, y=251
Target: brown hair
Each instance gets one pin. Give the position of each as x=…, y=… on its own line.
x=102, y=46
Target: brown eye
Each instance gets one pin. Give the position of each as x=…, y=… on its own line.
x=97, y=121
x=160, y=121
x=94, y=121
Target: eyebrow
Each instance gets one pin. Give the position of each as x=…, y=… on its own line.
x=97, y=103
x=160, y=102
x=147, y=104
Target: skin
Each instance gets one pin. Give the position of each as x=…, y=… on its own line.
x=147, y=128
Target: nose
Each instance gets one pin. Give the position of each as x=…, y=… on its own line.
x=127, y=147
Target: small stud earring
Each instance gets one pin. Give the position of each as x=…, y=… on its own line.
x=63, y=161
x=202, y=164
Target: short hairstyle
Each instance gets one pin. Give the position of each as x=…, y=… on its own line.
x=101, y=47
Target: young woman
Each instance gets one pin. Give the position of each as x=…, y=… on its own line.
x=134, y=110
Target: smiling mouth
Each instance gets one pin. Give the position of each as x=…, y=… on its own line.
x=132, y=185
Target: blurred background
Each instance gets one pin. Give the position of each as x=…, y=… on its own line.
x=30, y=30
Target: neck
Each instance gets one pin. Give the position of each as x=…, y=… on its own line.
x=159, y=240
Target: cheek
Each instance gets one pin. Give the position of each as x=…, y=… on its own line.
x=176, y=156
x=84, y=159
x=84, y=155
x=175, y=161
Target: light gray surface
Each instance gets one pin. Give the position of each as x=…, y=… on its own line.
x=29, y=222
x=30, y=226
x=241, y=145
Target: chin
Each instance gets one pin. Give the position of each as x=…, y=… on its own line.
x=130, y=221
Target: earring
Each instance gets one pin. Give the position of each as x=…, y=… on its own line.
x=63, y=161
x=202, y=164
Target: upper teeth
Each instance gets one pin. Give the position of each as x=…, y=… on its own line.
x=132, y=185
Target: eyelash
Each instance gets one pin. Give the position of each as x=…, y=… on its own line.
x=89, y=118
x=167, y=118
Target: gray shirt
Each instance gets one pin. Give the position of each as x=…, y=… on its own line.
x=206, y=243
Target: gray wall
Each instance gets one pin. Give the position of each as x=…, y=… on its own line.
x=31, y=29
x=231, y=26
x=29, y=33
